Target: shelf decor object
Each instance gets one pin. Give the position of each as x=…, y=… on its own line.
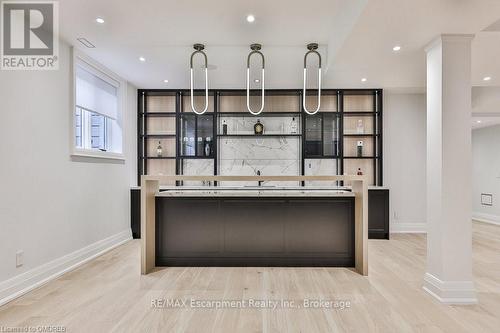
x=199, y=49
x=293, y=126
x=312, y=47
x=255, y=50
x=159, y=150
x=360, y=129
x=258, y=128
x=360, y=148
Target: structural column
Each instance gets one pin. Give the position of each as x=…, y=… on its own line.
x=449, y=170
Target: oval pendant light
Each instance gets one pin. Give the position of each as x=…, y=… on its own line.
x=199, y=49
x=312, y=49
x=255, y=50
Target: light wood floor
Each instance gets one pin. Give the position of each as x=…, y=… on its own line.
x=109, y=295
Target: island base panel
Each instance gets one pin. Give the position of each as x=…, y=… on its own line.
x=255, y=231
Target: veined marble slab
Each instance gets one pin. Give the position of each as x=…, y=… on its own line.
x=259, y=148
x=320, y=167
x=269, y=155
x=250, y=167
x=197, y=167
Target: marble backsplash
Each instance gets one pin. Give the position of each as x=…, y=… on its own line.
x=260, y=148
x=320, y=167
x=272, y=156
x=197, y=167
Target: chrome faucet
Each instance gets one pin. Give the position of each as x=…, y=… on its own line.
x=260, y=181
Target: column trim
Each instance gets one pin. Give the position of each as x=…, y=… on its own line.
x=450, y=292
x=447, y=37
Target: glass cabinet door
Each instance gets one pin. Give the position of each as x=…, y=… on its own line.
x=204, y=139
x=330, y=135
x=188, y=135
x=313, y=136
x=196, y=135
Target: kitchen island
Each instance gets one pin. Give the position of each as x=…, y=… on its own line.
x=253, y=226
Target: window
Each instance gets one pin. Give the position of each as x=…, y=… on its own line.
x=97, y=112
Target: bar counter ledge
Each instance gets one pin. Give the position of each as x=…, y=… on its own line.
x=254, y=226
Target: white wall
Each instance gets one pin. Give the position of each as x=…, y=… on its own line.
x=485, y=99
x=405, y=160
x=50, y=204
x=486, y=172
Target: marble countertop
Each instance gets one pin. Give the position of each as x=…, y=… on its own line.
x=251, y=192
x=287, y=188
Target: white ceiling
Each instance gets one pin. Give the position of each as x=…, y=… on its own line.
x=482, y=121
x=356, y=38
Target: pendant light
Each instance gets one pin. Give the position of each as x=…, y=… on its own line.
x=312, y=47
x=199, y=49
x=255, y=50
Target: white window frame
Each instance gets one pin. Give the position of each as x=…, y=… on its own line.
x=105, y=74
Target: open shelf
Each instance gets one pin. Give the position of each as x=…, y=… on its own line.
x=190, y=157
x=360, y=158
x=158, y=114
x=158, y=135
x=360, y=113
x=258, y=135
x=158, y=158
x=322, y=157
x=263, y=114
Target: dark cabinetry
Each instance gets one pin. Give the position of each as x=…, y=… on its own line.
x=227, y=232
x=378, y=214
x=135, y=212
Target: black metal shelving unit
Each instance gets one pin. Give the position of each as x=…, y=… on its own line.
x=341, y=116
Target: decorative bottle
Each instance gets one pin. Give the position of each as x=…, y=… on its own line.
x=293, y=126
x=360, y=148
x=224, y=127
x=208, y=148
x=258, y=128
x=360, y=129
x=159, y=150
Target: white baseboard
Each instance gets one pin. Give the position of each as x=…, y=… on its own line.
x=408, y=228
x=36, y=277
x=486, y=218
x=450, y=292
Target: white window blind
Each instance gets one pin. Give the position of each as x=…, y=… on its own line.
x=96, y=93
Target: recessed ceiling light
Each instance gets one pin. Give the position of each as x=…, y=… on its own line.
x=256, y=80
x=478, y=121
x=250, y=18
x=396, y=48
x=166, y=81
x=486, y=78
x=142, y=59
x=99, y=20
x=364, y=79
